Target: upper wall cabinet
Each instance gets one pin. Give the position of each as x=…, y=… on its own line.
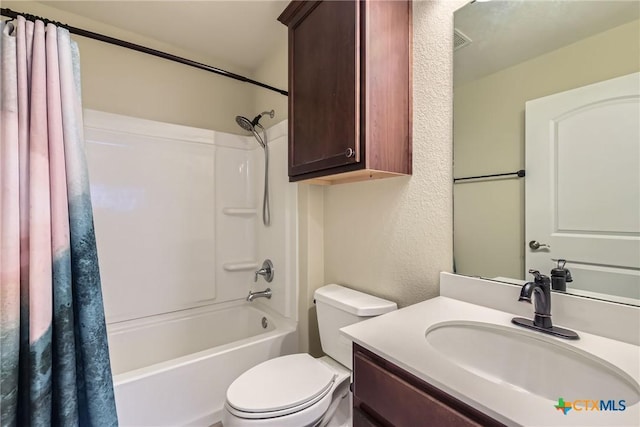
x=349, y=89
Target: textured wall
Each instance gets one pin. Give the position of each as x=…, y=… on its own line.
x=392, y=237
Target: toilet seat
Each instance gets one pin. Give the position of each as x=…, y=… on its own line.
x=281, y=386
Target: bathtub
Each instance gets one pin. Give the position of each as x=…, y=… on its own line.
x=174, y=369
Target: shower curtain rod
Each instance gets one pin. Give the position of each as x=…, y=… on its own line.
x=122, y=43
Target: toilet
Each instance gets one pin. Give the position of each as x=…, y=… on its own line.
x=298, y=390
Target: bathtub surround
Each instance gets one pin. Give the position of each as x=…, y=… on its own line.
x=189, y=243
x=55, y=357
x=175, y=292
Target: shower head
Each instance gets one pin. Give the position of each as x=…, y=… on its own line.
x=244, y=123
x=249, y=125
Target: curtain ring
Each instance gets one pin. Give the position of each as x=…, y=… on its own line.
x=10, y=27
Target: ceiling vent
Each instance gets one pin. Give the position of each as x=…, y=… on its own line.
x=459, y=39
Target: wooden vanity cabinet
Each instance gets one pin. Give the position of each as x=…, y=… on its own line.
x=349, y=89
x=386, y=395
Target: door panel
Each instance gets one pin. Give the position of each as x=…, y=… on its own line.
x=596, y=153
x=583, y=184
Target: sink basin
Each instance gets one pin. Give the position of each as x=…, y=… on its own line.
x=531, y=362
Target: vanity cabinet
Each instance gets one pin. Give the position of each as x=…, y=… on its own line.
x=349, y=89
x=386, y=395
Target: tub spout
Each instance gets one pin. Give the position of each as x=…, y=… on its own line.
x=262, y=294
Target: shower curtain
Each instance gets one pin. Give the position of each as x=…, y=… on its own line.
x=54, y=356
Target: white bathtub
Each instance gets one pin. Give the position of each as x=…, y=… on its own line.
x=174, y=369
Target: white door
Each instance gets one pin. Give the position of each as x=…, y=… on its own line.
x=583, y=185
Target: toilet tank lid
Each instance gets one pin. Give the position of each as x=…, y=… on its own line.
x=353, y=301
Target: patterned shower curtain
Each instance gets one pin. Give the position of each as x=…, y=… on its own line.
x=54, y=356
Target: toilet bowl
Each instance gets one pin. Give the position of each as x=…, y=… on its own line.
x=298, y=390
x=301, y=391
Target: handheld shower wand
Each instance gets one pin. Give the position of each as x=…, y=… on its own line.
x=251, y=125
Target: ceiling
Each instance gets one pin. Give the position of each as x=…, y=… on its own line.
x=238, y=32
x=243, y=33
x=505, y=33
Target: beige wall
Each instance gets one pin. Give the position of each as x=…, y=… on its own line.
x=119, y=80
x=273, y=71
x=489, y=138
x=393, y=237
x=311, y=263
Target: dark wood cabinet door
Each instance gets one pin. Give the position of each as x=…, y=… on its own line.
x=324, y=72
x=349, y=89
x=386, y=395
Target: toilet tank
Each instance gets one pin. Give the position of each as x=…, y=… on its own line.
x=338, y=307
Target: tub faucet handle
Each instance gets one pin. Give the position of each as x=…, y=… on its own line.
x=265, y=271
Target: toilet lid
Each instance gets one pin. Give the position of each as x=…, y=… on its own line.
x=279, y=384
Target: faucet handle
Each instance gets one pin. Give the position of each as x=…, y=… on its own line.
x=539, y=277
x=266, y=271
x=536, y=273
x=259, y=272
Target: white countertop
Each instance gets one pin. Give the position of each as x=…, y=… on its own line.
x=399, y=337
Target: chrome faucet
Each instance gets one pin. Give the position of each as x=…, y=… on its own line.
x=262, y=294
x=540, y=290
